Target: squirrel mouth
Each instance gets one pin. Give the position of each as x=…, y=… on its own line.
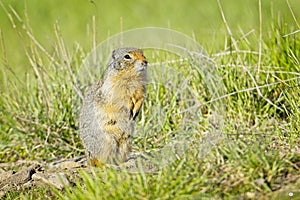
x=141, y=67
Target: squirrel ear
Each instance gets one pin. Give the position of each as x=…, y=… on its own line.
x=113, y=55
x=114, y=64
x=112, y=60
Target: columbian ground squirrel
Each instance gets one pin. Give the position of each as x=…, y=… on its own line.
x=111, y=106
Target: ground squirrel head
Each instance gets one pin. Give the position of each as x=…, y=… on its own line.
x=124, y=58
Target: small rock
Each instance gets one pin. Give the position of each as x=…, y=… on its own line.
x=30, y=184
x=139, y=164
x=2, y=194
x=5, y=175
x=250, y=195
x=70, y=165
x=57, y=180
x=259, y=181
x=18, y=178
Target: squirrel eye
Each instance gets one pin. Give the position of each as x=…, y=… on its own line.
x=127, y=56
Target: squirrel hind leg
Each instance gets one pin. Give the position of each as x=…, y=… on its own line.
x=96, y=163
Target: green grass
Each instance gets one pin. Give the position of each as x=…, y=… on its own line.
x=256, y=156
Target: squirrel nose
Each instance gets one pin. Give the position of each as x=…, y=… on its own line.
x=145, y=63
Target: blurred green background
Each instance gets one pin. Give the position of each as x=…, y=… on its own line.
x=200, y=19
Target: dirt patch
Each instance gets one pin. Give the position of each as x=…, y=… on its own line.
x=58, y=174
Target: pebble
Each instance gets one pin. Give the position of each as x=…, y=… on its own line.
x=57, y=180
